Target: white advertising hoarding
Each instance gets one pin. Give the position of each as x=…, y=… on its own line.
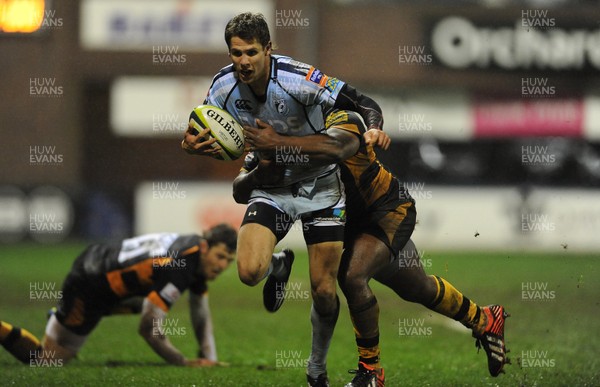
x=154, y=106
x=449, y=218
x=141, y=25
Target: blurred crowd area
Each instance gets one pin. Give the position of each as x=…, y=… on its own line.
x=475, y=93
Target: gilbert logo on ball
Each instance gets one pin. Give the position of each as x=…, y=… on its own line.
x=223, y=127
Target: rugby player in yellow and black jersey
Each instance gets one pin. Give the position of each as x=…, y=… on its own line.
x=146, y=274
x=380, y=219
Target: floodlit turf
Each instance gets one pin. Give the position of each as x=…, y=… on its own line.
x=552, y=334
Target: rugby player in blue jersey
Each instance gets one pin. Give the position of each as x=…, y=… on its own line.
x=261, y=89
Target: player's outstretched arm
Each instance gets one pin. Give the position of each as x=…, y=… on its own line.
x=203, y=327
x=334, y=147
x=151, y=330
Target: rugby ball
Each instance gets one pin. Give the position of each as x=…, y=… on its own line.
x=223, y=127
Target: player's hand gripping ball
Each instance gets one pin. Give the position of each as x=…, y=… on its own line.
x=223, y=127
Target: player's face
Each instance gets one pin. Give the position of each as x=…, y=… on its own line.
x=251, y=62
x=215, y=260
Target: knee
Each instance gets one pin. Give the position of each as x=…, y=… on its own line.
x=353, y=283
x=250, y=278
x=250, y=272
x=324, y=294
x=421, y=292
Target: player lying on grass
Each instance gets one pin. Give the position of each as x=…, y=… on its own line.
x=380, y=220
x=146, y=275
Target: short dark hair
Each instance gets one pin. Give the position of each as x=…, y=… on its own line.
x=248, y=26
x=221, y=233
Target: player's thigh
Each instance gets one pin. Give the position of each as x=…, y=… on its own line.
x=80, y=309
x=324, y=261
x=255, y=244
x=324, y=236
x=260, y=231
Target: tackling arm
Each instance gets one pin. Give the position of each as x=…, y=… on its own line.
x=265, y=173
x=334, y=147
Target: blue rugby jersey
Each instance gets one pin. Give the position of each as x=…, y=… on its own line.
x=296, y=101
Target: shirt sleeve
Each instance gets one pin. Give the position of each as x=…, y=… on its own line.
x=220, y=87
x=348, y=121
x=327, y=88
x=350, y=99
x=170, y=282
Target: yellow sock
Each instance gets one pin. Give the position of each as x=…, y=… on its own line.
x=368, y=351
x=365, y=320
x=19, y=342
x=452, y=303
x=5, y=329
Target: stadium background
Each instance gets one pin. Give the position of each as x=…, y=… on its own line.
x=493, y=108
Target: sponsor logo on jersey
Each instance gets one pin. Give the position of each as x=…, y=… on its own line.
x=282, y=107
x=316, y=76
x=243, y=105
x=340, y=213
x=332, y=84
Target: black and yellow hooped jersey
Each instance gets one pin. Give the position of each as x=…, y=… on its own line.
x=367, y=182
x=157, y=266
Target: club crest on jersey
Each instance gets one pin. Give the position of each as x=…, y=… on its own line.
x=316, y=76
x=243, y=105
x=281, y=106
